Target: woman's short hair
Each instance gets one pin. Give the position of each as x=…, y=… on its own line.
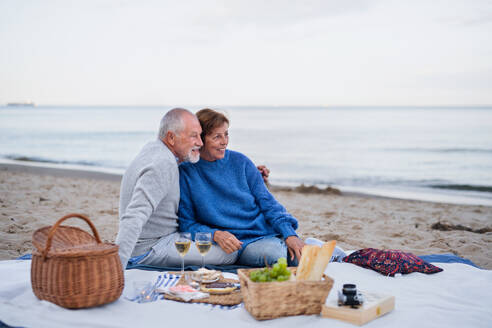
x=210, y=120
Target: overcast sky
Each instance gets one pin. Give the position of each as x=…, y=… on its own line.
x=252, y=52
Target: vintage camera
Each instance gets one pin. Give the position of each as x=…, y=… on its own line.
x=350, y=296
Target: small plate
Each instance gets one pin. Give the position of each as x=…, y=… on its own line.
x=204, y=281
x=218, y=291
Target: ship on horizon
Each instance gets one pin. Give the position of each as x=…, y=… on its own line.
x=21, y=104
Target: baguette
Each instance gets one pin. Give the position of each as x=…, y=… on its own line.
x=314, y=261
x=322, y=260
x=306, y=264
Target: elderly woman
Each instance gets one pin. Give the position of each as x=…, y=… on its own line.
x=224, y=194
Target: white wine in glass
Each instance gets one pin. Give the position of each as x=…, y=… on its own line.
x=203, y=241
x=182, y=247
x=204, y=247
x=182, y=244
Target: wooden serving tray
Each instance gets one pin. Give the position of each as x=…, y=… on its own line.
x=374, y=306
x=232, y=298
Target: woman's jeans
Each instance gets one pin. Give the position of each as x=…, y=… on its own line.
x=271, y=248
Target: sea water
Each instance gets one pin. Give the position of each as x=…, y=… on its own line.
x=431, y=153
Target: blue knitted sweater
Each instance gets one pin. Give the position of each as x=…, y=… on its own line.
x=229, y=194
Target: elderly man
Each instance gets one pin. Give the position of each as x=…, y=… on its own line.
x=149, y=196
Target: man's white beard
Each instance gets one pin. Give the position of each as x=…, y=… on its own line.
x=191, y=157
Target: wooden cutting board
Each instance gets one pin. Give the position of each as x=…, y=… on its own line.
x=374, y=306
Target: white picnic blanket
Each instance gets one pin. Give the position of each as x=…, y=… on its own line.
x=460, y=296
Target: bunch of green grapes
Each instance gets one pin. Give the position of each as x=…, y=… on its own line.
x=278, y=272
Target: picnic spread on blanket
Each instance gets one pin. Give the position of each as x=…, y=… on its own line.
x=74, y=269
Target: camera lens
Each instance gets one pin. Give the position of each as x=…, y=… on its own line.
x=349, y=289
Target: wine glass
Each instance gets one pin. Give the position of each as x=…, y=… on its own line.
x=203, y=241
x=143, y=291
x=182, y=244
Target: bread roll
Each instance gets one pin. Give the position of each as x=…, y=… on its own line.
x=314, y=260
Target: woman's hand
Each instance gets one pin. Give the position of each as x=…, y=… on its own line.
x=294, y=245
x=227, y=241
x=265, y=172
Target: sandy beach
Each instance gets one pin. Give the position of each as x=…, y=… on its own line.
x=33, y=197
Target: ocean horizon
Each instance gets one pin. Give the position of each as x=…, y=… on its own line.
x=434, y=153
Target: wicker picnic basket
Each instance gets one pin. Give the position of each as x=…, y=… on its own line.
x=270, y=300
x=72, y=268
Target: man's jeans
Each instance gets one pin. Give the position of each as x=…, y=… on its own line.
x=164, y=253
x=271, y=248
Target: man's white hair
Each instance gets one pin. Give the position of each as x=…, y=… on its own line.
x=172, y=121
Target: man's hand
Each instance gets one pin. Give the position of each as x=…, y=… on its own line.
x=227, y=241
x=294, y=245
x=265, y=172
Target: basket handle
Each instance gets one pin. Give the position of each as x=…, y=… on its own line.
x=57, y=224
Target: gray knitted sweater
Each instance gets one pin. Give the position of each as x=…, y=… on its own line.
x=149, y=199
